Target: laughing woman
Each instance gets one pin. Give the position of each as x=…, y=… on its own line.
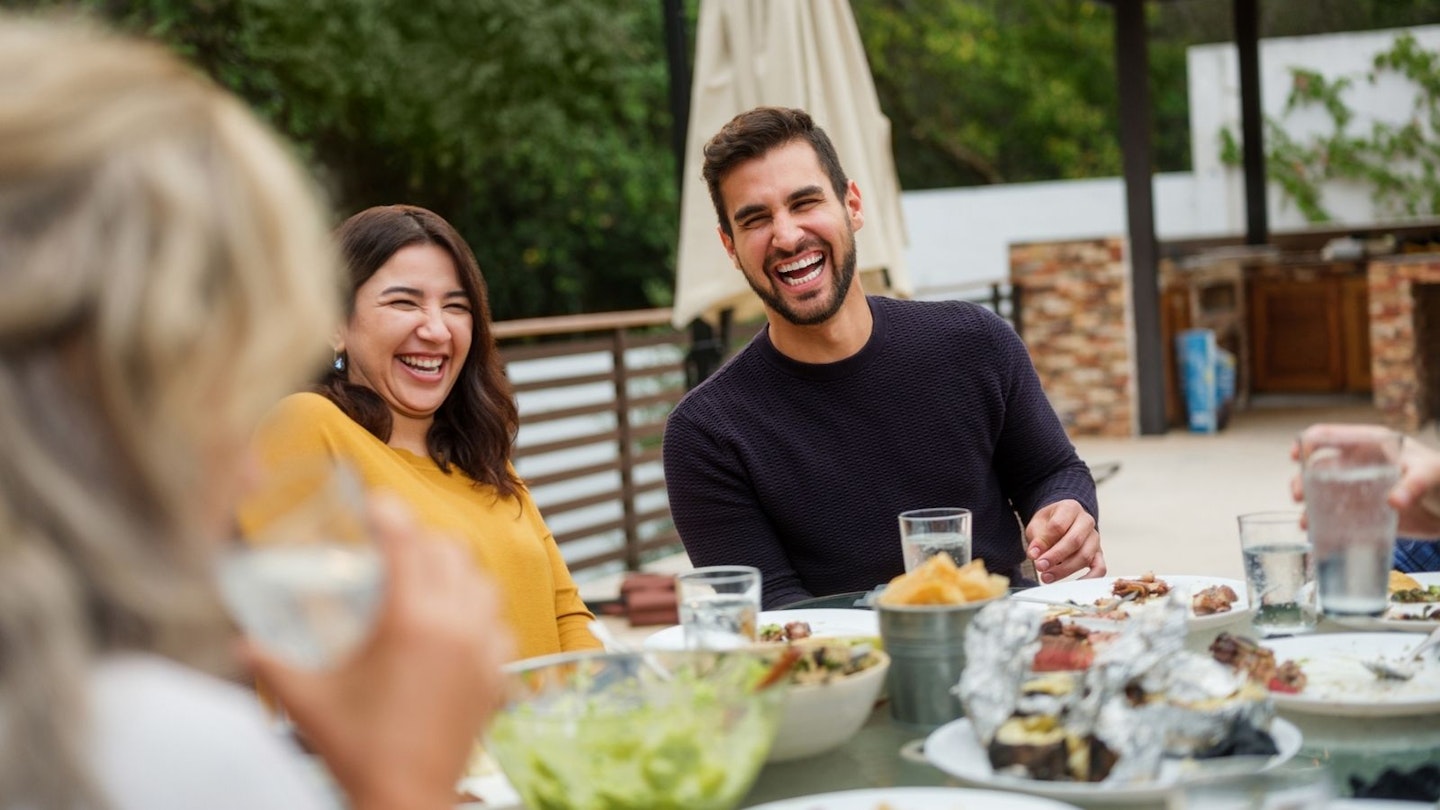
x=418, y=402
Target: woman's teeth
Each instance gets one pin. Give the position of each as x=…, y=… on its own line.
x=422, y=363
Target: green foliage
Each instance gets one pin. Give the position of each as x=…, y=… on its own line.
x=1398, y=162
x=990, y=91
x=540, y=129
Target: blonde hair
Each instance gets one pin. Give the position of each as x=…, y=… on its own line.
x=165, y=276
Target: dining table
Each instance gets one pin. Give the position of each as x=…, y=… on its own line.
x=1355, y=750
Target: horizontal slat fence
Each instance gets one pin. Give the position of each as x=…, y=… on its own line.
x=594, y=391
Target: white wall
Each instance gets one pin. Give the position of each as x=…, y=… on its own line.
x=961, y=236
x=1214, y=80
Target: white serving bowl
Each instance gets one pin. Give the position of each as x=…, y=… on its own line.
x=820, y=717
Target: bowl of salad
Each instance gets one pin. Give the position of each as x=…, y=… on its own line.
x=831, y=688
x=638, y=730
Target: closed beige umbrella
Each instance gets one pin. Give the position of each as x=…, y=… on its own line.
x=790, y=53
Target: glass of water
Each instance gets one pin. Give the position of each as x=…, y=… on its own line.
x=927, y=532
x=719, y=606
x=1279, y=572
x=1348, y=472
x=305, y=576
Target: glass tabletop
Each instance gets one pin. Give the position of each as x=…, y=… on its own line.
x=1356, y=750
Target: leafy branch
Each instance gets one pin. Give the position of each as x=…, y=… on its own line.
x=1399, y=163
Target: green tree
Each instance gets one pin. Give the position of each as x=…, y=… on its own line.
x=539, y=128
x=990, y=91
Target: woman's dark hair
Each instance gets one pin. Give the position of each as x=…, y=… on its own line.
x=475, y=426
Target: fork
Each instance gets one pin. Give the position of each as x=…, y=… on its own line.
x=1405, y=667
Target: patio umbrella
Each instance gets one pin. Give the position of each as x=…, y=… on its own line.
x=791, y=53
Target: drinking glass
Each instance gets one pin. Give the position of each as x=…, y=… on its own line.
x=927, y=532
x=1348, y=471
x=305, y=576
x=1279, y=572
x=719, y=606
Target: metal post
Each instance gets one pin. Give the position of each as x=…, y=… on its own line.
x=677, y=57
x=1132, y=62
x=626, y=441
x=1252, y=131
x=706, y=350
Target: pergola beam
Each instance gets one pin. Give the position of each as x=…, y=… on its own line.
x=1132, y=64
x=1247, y=42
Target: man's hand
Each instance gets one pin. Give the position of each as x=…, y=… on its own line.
x=1061, y=538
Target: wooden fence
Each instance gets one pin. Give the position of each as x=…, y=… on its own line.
x=601, y=394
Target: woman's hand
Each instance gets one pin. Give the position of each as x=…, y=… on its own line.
x=396, y=722
x=1417, y=496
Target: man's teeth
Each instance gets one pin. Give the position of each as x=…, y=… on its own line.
x=422, y=363
x=799, y=264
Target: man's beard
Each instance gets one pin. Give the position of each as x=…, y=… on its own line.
x=840, y=279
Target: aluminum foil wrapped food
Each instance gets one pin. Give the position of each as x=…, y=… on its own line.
x=999, y=645
x=1141, y=696
x=1131, y=731
x=1200, y=701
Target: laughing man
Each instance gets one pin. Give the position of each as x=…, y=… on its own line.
x=845, y=410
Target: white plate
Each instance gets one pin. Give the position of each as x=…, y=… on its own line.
x=916, y=798
x=1085, y=591
x=1395, y=617
x=1337, y=684
x=954, y=749
x=822, y=621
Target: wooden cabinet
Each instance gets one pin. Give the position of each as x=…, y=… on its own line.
x=1309, y=330
x=1355, y=332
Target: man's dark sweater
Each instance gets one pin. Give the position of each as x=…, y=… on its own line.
x=801, y=469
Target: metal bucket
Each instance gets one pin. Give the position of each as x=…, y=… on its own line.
x=927, y=654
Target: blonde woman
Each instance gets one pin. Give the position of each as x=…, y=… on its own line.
x=166, y=275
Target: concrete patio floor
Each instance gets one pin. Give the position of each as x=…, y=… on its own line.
x=1171, y=506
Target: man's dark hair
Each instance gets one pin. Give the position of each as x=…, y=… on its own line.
x=751, y=134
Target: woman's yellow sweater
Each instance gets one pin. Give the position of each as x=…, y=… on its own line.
x=506, y=536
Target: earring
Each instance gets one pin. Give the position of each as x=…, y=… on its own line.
x=338, y=363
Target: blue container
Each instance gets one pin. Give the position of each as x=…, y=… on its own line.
x=1197, y=354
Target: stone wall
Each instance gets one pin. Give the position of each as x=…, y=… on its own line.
x=1075, y=319
x=1404, y=339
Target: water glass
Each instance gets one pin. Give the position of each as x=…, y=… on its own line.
x=1279, y=572
x=719, y=606
x=1347, y=472
x=305, y=577
x=927, y=532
